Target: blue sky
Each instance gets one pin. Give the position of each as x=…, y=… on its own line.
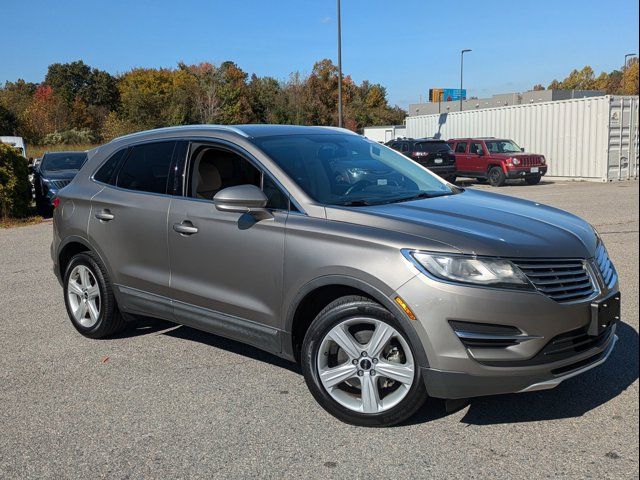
x=408, y=46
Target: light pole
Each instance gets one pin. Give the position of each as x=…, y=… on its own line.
x=627, y=56
x=339, y=67
x=461, y=68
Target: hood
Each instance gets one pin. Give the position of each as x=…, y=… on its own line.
x=482, y=223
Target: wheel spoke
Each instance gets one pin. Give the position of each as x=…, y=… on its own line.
x=75, y=288
x=93, y=310
x=370, y=394
x=336, y=375
x=396, y=371
x=381, y=336
x=81, y=312
x=93, y=291
x=345, y=341
x=84, y=277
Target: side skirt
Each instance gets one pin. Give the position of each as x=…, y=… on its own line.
x=266, y=338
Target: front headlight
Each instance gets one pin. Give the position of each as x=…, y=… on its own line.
x=515, y=161
x=490, y=272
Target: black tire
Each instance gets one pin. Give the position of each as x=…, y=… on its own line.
x=334, y=313
x=533, y=179
x=110, y=321
x=496, y=177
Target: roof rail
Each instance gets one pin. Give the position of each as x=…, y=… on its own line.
x=184, y=127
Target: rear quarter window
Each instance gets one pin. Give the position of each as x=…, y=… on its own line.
x=106, y=173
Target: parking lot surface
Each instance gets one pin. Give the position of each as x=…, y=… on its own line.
x=162, y=401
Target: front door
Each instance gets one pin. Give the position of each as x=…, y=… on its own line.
x=226, y=268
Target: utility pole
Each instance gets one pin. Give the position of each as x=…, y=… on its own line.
x=339, y=67
x=627, y=56
x=461, y=69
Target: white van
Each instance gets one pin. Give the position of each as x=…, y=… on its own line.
x=16, y=142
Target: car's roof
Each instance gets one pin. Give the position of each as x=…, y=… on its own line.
x=247, y=131
x=72, y=152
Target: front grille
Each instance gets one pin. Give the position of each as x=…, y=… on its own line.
x=608, y=271
x=60, y=183
x=561, y=280
x=529, y=161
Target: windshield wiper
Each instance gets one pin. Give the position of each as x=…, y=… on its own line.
x=413, y=197
x=355, y=203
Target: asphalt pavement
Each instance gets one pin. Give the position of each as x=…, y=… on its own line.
x=164, y=401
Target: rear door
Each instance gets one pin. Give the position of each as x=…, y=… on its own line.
x=226, y=274
x=462, y=158
x=128, y=224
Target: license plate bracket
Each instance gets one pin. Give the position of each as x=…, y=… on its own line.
x=604, y=313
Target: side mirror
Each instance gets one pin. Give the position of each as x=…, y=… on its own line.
x=480, y=153
x=242, y=199
x=522, y=149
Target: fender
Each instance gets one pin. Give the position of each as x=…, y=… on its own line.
x=373, y=292
x=82, y=241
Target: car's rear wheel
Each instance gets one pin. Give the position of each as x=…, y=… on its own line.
x=496, y=177
x=89, y=299
x=360, y=366
x=533, y=179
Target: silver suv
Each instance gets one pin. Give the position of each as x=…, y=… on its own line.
x=385, y=282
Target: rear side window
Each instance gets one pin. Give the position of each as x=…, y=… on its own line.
x=461, y=147
x=405, y=147
x=147, y=168
x=106, y=172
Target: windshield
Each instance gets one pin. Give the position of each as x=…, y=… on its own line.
x=55, y=162
x=433, y=147
x=502, y=146
x=339, y=169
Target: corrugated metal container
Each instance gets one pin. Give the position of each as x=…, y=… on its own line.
x=589, y=138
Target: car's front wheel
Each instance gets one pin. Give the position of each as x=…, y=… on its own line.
x=360, y=366
x=89, y=297
x=496, y=176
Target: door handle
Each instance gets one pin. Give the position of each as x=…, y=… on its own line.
x=185, y=228
x=105, y=215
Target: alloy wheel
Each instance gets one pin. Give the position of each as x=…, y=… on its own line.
x=365, y=365
x=83, y=294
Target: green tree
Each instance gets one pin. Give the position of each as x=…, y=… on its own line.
x=8, y=122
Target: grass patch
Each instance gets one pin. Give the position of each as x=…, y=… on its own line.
x=37, y=151
x=20, y=222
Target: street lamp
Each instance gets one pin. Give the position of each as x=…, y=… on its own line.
x=339, y=67
x=627, y=56
x=461, y=68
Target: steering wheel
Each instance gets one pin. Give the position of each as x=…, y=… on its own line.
x=359, y=185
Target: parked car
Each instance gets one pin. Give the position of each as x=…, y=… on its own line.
x=54, y=172
x=434, y=154
x=496, y=160
x=15, y=142
x=385, y=294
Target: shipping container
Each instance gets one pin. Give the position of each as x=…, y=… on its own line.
x=588, y=138
x=384, y=133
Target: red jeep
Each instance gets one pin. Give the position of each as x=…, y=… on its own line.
x=496, y=160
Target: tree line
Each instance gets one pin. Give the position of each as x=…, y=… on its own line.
x=617, y=82
x=79, y=104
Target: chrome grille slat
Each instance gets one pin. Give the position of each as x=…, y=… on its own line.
x=563, y=280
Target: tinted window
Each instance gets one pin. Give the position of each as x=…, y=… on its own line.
x=432, y=147
x=475, y=148
x=461, y=147
x=105, y=173
x=405, y=147
x=276, y=198
x=55, y=162
x=147, y=168
x=350, y=170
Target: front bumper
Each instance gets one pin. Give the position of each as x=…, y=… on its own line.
x=515, y=173
x=457, y=371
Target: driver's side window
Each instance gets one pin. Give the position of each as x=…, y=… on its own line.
x=212, y=169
